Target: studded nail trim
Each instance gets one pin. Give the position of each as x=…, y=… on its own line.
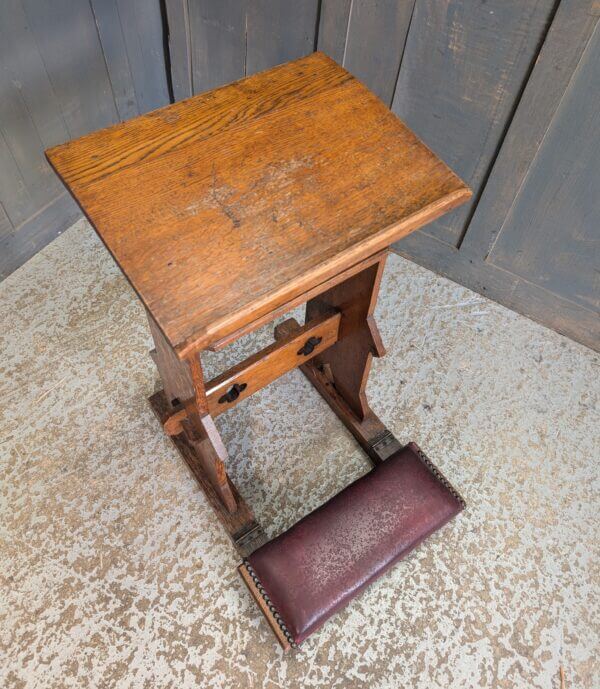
x=269, y=603
x=439, y=476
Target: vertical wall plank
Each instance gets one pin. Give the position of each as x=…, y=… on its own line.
x=23, y=141
x=218, y=42
x=141, y=24
x=13, y=192
x=462, y=72
x=25, y=69
x=179, y=48
x=532, y=243
x=377, y=32
x=565, y=43
x=279, y=31
x=5, y=224
x=106, y=14
x=23, y=242
x=333, y=28
x=66, y=35
x=55, y=85
x=552, y=234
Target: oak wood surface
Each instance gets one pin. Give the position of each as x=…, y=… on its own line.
x=250, y=327
x=263, y=367
x=349, y=359
x=273, y=361
x=237, y=524
x=210, y=454
x=227, y=205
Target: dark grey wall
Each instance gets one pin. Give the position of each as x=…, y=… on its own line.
x=531, y=238
x=505, y=91
x=213, y=42
x=67, y=67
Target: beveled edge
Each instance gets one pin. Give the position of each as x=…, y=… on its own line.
x=239, y=319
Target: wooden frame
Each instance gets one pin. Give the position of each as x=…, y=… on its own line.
x=264, y=608
x=228, y=209
x=334, y=350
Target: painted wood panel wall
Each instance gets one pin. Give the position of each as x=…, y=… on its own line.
x=213, y=42
x=494, y=87
x=532, y=241
x=480, y=82
x=67, y=67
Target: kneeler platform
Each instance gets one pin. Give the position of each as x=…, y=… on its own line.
x=225, y=211
x=311, y=571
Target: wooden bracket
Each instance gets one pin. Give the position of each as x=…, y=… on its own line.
x=372, y=435
x=260, y=369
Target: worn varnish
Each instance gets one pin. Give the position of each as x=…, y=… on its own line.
x=254, y=373
x=230, y=208
x=224, y=206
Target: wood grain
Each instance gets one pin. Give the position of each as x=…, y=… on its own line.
x=222, y=208
x=240, y=524
x=217, y=345
x=270, y=363
x=190, y=122
x=263, y=367
x=349, y=359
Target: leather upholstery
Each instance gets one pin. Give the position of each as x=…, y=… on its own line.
x=322, y=562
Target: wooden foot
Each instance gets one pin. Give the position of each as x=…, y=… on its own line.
x=242, y=528
x=372, y=435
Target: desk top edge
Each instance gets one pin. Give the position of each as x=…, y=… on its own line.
x=200, y=336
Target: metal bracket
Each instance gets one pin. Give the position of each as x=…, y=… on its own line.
x=250, y=540
x=384, y=444
x=309, y=346
x=233, y=393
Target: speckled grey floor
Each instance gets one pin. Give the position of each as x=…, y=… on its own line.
x=115, y=574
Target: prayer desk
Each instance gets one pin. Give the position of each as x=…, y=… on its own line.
x=230, y=208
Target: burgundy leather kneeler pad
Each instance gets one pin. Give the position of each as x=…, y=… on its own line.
x=316, y=567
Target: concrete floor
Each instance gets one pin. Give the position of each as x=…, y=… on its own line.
x=114, y=572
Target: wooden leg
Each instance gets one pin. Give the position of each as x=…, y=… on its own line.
x=349, y=359
x=340, y=373
x=204, y=437
x=184, y=387
x=241, y=526
x=339, y=370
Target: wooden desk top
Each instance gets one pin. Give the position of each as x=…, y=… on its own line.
x=222, y=207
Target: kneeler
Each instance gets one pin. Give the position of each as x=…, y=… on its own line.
x=301, y=578
x=225, y=211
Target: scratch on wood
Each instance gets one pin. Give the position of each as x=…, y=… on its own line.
x=219, y=196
